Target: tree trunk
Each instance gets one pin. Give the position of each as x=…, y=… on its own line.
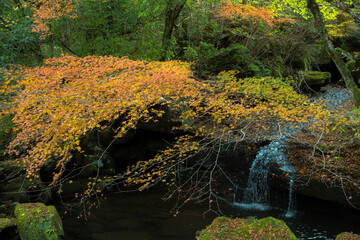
x=172, y=12
x=335, y=56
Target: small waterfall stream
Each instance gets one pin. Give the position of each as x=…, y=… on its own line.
x=290, y=211
x=257, y=193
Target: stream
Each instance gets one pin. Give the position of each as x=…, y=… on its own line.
x=144, y=216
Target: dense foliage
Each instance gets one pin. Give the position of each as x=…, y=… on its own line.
x=97, y=68
x=56, y=104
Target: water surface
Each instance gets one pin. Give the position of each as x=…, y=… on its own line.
x=144, y=216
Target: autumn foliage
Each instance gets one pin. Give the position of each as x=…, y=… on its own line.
x=236, y=12
x=62, y=100
x=56, y=104
x=46, y=11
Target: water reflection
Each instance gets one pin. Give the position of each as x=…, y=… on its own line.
x=144, y=216
x=137, y=216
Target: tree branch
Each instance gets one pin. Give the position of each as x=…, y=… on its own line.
x=68, y=48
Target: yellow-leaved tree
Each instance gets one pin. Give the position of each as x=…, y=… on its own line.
x=56, y=104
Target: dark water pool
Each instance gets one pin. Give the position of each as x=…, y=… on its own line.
x=144, y=216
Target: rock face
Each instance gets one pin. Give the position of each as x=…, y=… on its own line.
x=250, y=228
x=36, y=221
x=317, y=54
x=319, y=190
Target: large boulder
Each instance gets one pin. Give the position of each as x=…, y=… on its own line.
x=36, y=221
x=249, y=228
x=347, y=236
x=314, y=78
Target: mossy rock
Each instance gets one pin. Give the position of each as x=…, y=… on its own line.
x=249, y=228
x=314, y=78
x=347, y=236
x=36, y=221
x=6, y=223
x=318, y=54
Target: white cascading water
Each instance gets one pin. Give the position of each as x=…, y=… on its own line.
x=291, y=211
x=257, y=193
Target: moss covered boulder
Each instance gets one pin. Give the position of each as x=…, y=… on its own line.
x=347, y=236
x=249, y=228
x=6, y=223
x=314, y=78
x=36, y=221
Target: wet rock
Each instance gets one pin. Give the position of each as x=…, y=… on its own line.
x=319, y=190
x=347, y=236
x=333, y=96
x=36, y=221
x=250, y=228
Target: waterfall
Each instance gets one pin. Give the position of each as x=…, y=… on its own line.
x=290, y=211
x=286, y=166
x=257, y=192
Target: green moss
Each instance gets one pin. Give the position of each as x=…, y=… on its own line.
x=314, y=78
x=6, y=223
x=351, y=65
x=347, y=236
x=250, y=228
x=37, y=221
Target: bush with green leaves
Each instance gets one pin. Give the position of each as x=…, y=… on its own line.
x=18, y=44
x=111, y=28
